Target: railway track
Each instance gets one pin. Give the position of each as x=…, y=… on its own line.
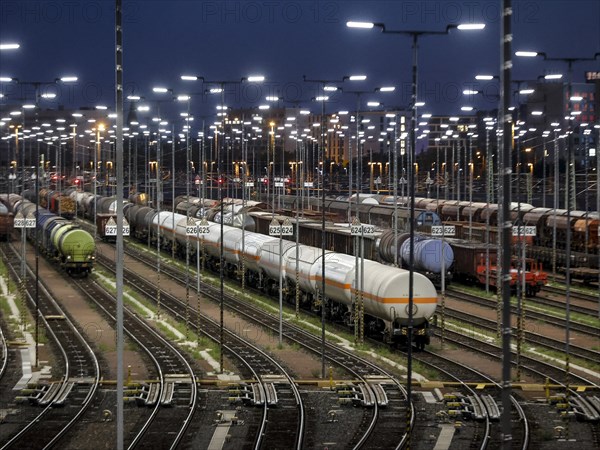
x=486, y=408
x=4, y=356
x=531, y=314
x=282, y=419
x=172, y=395
x=579, y=284
x=63, y=402
x=543, y=373
x=369, y=435
x=583, y=353
x=540, y=370
x=583, y=300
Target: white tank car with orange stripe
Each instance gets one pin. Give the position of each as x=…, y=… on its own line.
x=385, y=290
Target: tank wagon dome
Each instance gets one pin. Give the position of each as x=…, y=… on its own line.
x=369, y=201
x=428, y=254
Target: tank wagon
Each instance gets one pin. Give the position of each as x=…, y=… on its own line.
x=428, y=254
x=85, y=202
x=58, y=238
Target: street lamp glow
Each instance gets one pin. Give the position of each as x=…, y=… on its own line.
x=263, y=107
x=471, y=26
x=15, y=113
x=420, y=104
x=553, y=76
x=101, y=107
x=484, y=77
x=330, y=88
x=256, y=79
x=305, y=112
x=357, y=77
x=160, y=90
x=183, y=98
x=6, y=79
x=537, y=113
x=143, y=108
x=387, y=89
x=49, y=95
x=576, y=98
x=470, y=92
x=271, y=98
x=322, y=98
x=69, y=79
x=215, y=90
x=189, y=77
x=366, y=25
x=466, y=108
x=526, y=91
x=373, y=104
x=133, y=97
x=28, y=106
x=9, y=46
x=526, y=54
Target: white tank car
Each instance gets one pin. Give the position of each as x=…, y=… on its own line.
x=269, y=256
x=385, y=292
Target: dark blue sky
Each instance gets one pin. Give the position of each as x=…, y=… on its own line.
x=226, y=40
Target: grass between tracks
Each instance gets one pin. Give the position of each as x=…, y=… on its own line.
x=533, y=351
x=23, y=321
x=580, y=289
x=530, y=304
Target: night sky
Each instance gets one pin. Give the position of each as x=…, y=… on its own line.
x=283, y=40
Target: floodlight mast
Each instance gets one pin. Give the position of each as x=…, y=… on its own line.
x=414, y=34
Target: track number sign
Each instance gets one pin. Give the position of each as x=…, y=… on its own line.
x=523, y=231
x=443, y=230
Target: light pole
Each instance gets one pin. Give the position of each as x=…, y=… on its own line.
x=99, y=127
x=470, y=167
x=415, y=38
x=570, y=191
x=505, y=231
x=220, y=89
x=325, y=86
x=358, y=95
x=164, y=90
x=488, y=199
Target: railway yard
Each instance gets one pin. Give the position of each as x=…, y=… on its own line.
x=206, y=368
x=299, y=225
